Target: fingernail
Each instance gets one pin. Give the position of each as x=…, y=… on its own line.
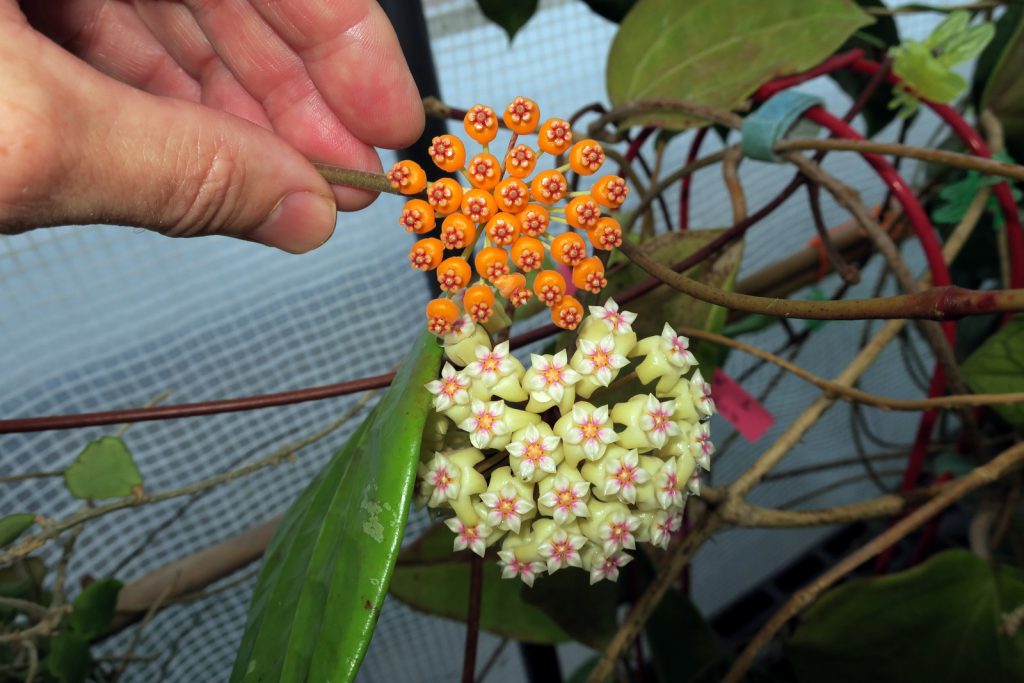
x=301, y=222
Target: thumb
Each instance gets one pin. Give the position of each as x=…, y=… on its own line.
x=98, y=151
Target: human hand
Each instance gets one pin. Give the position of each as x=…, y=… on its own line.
x=195, y=117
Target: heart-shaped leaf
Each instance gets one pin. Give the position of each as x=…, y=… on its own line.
x=326, y=571
x=69, y=660
x=998, y=366
x=104, y=469
x=718, y=52
x=94, y=608
x=941, y=621
x=511, y=16
x=431, y=578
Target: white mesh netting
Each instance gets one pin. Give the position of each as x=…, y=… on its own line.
x=103, y=317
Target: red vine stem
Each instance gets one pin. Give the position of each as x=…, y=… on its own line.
x=975, y=143
x=835, y=63
x=684, y=191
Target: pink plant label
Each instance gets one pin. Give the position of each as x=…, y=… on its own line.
x=739, y=408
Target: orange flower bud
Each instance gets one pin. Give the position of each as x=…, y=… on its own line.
x=503, y=229
x=511, y=195
x=441, y=313
x=448, y=152
x=457, y=232
x=589, y=275
x=582, y=212
x=521, y=115
x=479, y=302
x=610, y=191
x=445, y=195
x=549, y=187
x=481, y=123
x=586, y=157
x=453, y=274
x=528, y=254
x=478, y=205
x=426, y=254
x=555, y=136
x=513, y=288
x=533, y=220
x=417, y=216
x=492, y=263
x=520, y=161
x=407, y=177
x=567, y=313
x=606, y=234
x=549, y=287
x=569, y=248
x=483, y=171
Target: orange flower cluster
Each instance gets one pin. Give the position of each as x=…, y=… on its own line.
x=513, y=215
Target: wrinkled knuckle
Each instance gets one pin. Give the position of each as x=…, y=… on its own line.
x=31, y=167
x=210, y=200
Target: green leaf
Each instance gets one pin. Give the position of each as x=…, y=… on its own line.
x=13, y=526
x=683, y=646
x=94, y=608
x=941, y=621
x=1003, y=91
x=511, y=16
x=105, y=469
x=666, y=305
x=998, y=367
x=612, y=10
x=326, y=571
x=23, y=579
x=718, y=52
x=586, y=612
x=431, y=578
x=69, y=660
x=875, y=40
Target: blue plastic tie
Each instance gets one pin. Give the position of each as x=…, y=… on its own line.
x=772, y=121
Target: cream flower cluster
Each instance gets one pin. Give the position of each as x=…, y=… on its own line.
x=525, y=458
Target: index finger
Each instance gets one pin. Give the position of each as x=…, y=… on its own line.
x=353, y=57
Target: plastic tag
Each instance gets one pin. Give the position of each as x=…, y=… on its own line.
x=739, y=408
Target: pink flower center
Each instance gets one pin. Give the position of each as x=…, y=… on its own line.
x=566, y=498
x=661, y=420
x=626, y=475
x=553, y=375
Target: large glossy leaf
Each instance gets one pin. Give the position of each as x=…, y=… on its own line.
x=941, y=621
x=1003, y=91
x=718, y=52
x=326, y=570
x=431, y=578
x=998, y=366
